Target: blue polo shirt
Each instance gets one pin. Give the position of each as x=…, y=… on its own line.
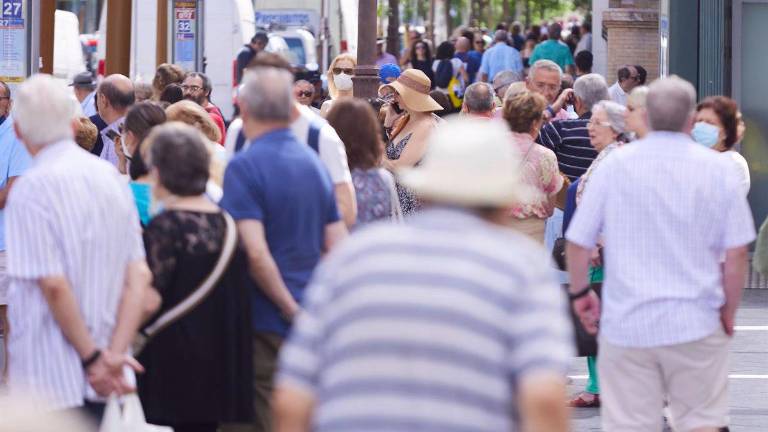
x=500, y=57
x=281, y=182
x=14, y=160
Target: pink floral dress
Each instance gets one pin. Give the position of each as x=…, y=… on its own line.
x=540, y=172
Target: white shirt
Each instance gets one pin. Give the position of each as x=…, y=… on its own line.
x=617, y=94
x=585, y=44
x=88, y=105
x=668, y=209
x=72, y=215
x=108, y=152
x=741, y=168
x=331, y=150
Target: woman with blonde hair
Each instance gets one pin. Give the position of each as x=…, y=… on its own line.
x=191, y=113
x=339, y=75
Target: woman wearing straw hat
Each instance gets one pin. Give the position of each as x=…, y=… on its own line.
x=409, y=137
x=339, y=75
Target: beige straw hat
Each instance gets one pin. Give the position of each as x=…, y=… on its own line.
x=469, y=162
x=413, y=87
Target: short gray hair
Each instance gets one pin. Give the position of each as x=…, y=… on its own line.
x=267, y=94
x=43, y=100
x=591, y=89
x=615, y=113
x=670, y=103
x=478, y=98
x=638, y=97
x=505, y=78
x=545, y=65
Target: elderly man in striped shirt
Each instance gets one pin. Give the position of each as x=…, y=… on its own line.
x=669, y=211
x=76, y=264
x=449, y=323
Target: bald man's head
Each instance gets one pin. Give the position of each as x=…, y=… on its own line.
x=463, y=44
x=118, y=91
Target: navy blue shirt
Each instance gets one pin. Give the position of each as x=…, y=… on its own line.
x=473, y=60
x=281, y=182
x=569, y=139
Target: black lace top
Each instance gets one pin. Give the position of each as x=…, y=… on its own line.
x=199, y=368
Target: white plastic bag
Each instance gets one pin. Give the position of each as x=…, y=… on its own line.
x=130, y=419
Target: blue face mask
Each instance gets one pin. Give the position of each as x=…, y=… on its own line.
x=705, y=134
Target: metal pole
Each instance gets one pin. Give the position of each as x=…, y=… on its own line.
x=44, y=18
x=323, y=33
x=366, y=73
x=161, y=41
x=119, y=37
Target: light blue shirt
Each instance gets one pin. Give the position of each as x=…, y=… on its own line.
x=667, y=209
x=14, y=160
x=500, y=57
x=88, y=105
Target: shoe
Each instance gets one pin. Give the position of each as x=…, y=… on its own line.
x=578, y=402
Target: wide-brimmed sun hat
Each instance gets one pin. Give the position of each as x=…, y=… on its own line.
x=469, y=162
x=414, y=86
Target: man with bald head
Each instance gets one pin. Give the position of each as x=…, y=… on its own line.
x=468, y=56
x=113, y=99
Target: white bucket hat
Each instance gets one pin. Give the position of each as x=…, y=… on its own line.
x=469, y=162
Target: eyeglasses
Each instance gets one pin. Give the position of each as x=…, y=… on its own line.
x=192, y=88
x=593, y=123
x=339, y=71
x=304, y=94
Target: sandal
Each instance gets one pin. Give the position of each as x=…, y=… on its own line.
x=579, y=402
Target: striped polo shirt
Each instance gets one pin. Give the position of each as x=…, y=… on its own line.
x=427, y=326
x=569, y=139
x=69, y=215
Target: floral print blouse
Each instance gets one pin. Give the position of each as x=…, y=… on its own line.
x=540, y=172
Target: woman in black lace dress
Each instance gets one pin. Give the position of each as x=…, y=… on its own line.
x=198, y=369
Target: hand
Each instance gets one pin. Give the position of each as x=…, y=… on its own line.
x=291, y=312
x=594, y=259
x=587, y=309
x=4, y=321
x=562, y=100
x=728, y=318
x=106, y=374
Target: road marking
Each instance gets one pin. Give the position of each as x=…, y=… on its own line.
x=751, y=328
x=734, y=376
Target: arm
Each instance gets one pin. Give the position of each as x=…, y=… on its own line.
x=733, y=283
x=587, y=308
x=65, y=310
x=5, y=191
x=263, y=268
x=292, y=409
x=346, y=202
x=137, y=295
x=334, y=233
x=540, y=401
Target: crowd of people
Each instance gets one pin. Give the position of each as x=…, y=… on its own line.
x=372, y=264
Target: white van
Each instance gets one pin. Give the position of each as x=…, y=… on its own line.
x=68, y=59
x=229, y=26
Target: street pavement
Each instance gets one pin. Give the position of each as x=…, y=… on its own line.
x=748, y=372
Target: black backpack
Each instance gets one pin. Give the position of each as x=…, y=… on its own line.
x=444, y=73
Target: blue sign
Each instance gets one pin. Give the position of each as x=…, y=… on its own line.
x=12, y=9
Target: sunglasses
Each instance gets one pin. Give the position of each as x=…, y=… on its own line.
x=348, y=71
x=304, y=94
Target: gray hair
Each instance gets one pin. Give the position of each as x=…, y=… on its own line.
x=179, y=154
x=267, y=94
x=591, y=89
x=505, y=78
x=42, y=100
x=545, y=65
x=478, y=98
x=670, y=103
x=501, y=36
x=638, y=97
x=615, y=113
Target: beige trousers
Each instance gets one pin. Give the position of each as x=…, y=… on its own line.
x=693, y=377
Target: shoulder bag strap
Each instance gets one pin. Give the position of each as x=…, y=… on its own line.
x=313, y=138
x=197, y=296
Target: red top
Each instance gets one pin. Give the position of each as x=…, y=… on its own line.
x=218, y=118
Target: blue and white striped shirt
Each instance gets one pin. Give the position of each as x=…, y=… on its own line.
x=427, y=326
x=69, y=215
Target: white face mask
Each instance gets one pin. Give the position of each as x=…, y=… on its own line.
x=343, y=81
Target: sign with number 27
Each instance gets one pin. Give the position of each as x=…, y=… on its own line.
x=12, y=9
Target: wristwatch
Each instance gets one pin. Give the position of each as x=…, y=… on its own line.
x=91, y=359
